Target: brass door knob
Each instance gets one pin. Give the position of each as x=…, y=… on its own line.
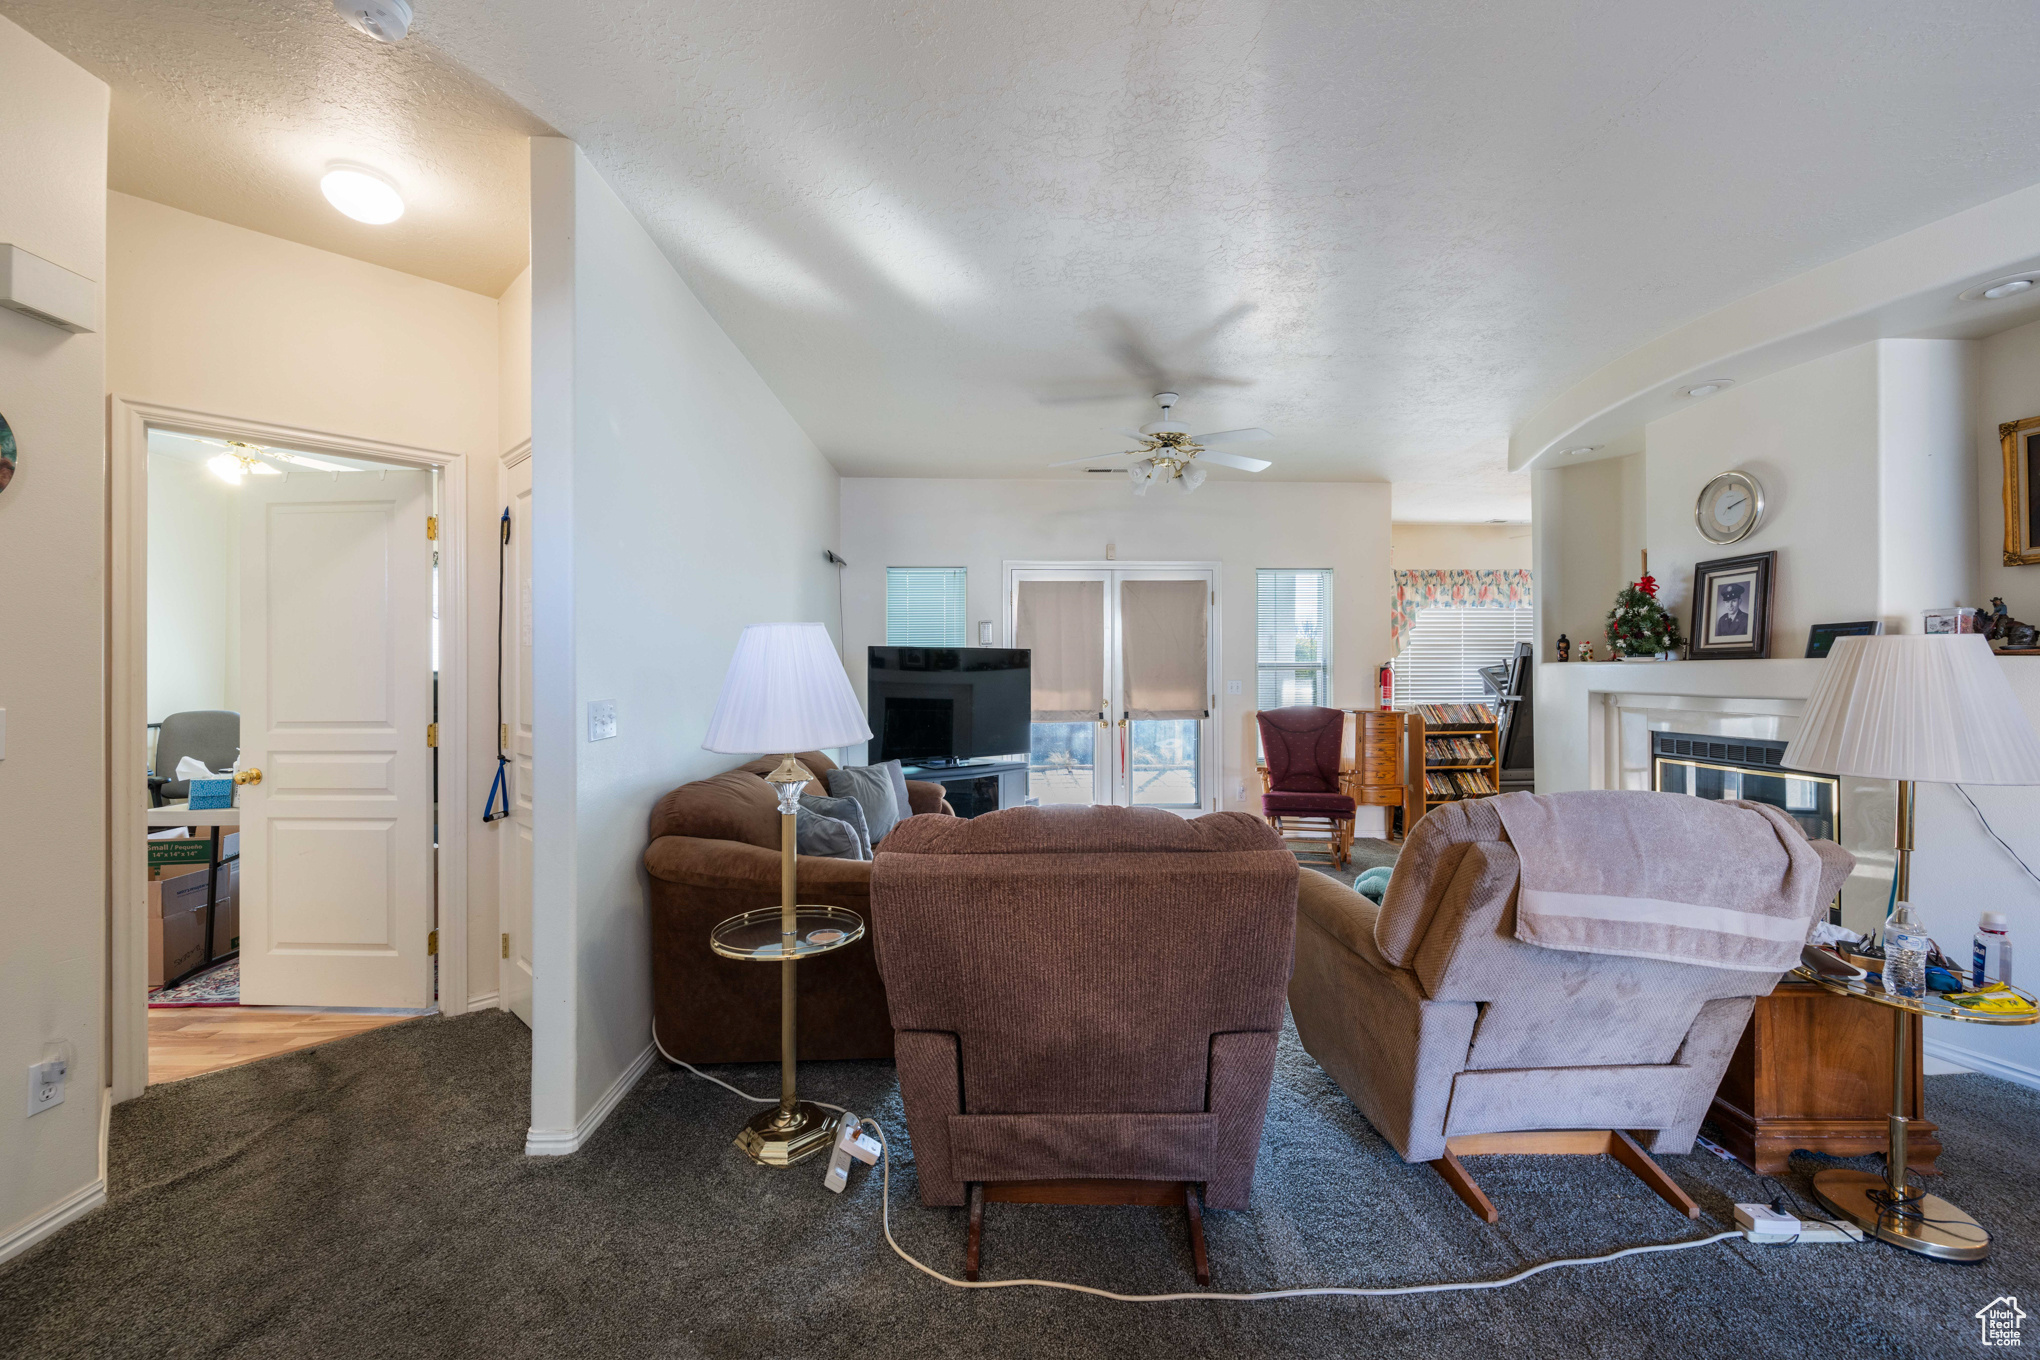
x=248, y=777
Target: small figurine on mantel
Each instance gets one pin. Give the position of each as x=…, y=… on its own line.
x=2006, y=633
x=1586, y=651
x=1564, y=647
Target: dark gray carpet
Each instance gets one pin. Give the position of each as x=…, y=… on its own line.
x=1367, y=854
x=371, y=1198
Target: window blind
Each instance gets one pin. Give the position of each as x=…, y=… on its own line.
x=1292, y=637
x=924, y=607
x=1441, y=661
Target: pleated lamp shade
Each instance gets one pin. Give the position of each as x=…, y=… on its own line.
x=785, y=692
x=1923, y=706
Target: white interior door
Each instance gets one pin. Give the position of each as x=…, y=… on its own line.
x=336, y=695
x=1124, y=687
x=514, y=838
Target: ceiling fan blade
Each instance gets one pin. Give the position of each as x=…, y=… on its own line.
x=1094, y=458
x=1234, y=460
x=1253, y=436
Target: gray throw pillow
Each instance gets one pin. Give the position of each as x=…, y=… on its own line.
x=871, y=786
x=827, y=837
x=843, y=810
x=899, y=788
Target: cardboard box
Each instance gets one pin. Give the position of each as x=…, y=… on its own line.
x=227, y=913
x=178, y=852
x=176, y=941
x=178, y=893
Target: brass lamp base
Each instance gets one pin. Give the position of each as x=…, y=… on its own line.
x=1930, y=1226
x=781, y=1138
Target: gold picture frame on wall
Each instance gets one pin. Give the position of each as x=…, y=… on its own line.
x=2021, y=440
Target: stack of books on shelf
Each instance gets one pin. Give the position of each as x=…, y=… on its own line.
x=1446, y=784
x=1457, y=751
x=1456, y=715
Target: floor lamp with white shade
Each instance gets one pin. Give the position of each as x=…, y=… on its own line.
x=1933, y=707
x=786, y=691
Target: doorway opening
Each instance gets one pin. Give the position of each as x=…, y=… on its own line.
x=287, y=697
x=1125, y=682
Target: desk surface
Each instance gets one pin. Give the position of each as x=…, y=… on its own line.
x=180, y=814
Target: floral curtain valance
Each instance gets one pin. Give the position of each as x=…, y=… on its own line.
x=1416, y=590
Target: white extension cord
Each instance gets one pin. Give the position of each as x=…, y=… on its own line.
x=885, y=1215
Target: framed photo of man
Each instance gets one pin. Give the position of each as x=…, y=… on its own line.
x=1732, y=608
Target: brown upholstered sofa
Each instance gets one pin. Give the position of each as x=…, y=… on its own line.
x=1085, y=992
x=714, y=853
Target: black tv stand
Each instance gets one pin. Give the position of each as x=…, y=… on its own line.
x=974, y=787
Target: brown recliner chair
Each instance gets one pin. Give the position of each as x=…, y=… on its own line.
x=1085, y=994
x=1455, y=1038
x=714, y=853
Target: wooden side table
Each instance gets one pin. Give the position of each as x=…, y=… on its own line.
x=1813, y=1072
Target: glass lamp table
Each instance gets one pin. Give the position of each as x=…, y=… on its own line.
x=794, y=1129
x=1887, y=1206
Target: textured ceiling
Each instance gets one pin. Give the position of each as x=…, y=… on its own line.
x=234, y=108
x=1396, y=229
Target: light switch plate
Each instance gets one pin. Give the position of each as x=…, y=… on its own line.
x=601, y=719
x=984, y=632
x=1232, y=687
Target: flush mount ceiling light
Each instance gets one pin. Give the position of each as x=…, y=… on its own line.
x=362, y=194
x=1997, y=289
x=1706, y=388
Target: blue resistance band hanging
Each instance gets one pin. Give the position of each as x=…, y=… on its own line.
x=500, y=786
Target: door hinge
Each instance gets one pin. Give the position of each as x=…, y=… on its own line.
x=432, y=527
x=432, y=734
x=431, y=942
x=506, y=944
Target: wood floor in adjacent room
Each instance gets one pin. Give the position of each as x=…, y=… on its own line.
x=187, y=1041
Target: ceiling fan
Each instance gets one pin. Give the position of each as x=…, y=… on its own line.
x=239, y=459
x=1168, y=452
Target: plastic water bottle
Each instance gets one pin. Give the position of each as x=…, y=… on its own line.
x=1992, y=957
x=1905, y=953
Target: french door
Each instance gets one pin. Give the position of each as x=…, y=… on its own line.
x=1124, y=687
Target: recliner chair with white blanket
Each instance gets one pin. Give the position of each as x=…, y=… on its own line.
x=1454, y=1036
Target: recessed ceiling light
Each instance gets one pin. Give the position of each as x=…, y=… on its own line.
x=384, y=20
x=362, y=194
x=1705, y=389
x=1574, y=452
x=1996, y=289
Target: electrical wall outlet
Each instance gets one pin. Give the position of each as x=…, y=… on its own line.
x=601, y=719
x=46, y=1085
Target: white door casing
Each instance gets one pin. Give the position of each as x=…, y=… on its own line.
x=336, y=694
x=513, y=845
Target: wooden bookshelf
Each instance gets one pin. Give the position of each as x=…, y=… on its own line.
x=1452, y=754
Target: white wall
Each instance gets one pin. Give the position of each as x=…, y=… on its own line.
x=53, y=557
x=675, y=502
x=981, y=525
x=1587, y=540
x=215, y=318
x=1460, y=547
x=2007, y=389
x=194, y=582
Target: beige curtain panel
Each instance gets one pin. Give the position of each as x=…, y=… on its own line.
x=1063, y=623
x=1162, y=645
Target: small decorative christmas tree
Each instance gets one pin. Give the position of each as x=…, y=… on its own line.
x=1638, y=625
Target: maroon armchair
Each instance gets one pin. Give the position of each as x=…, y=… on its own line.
x=1081, y=993
x=1300, y=779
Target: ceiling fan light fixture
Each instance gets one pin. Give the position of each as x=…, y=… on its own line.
x=1190, y=478
x=226, y=467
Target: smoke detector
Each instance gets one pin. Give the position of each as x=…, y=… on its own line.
x=384, y=20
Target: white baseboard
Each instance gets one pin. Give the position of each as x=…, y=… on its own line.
x=484, y=1002
x=561, y=1142
x=2016, y=1073
x=74, y=1207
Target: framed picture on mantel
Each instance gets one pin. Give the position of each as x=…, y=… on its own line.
x=1732, y=608
x=2021, y=440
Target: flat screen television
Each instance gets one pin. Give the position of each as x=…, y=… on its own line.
x=933, y=704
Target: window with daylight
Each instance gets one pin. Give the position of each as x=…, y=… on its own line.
x=1446, y=647
x=924, y=607
x=1292, y=637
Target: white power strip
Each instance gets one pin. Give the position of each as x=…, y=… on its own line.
x=1766, y=1226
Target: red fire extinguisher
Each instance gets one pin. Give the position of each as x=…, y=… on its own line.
x=1387, y=685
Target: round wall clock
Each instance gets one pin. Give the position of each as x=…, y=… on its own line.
x=1729, y=509
x=7, y=454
